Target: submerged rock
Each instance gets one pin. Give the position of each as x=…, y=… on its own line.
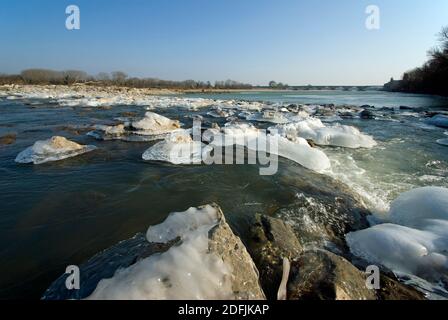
x=53, y=149
x=9, y=138
x=270, y=241
x=322, y=275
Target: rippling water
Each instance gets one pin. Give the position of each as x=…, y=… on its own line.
x=62, y=213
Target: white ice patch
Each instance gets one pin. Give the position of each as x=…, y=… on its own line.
x=337, y=135
x=53, y=149
x=186, y=271
x=416, y=240
x=177, y=148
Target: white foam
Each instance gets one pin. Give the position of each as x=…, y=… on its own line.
x=53, y=149
x=186, y=271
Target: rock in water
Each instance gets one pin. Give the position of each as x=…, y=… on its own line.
x=367, y=114
x=53, y=149
x=197, y=257
x=270, y=241
x=8, y=139
x=391, y=289
x=222, y=242
x=322, y=275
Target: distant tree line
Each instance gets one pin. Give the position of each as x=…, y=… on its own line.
x=432, y=77
x=116, y=78
x=279, y=85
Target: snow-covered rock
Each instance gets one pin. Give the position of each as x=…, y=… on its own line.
x=207, y=262
x=53, y=149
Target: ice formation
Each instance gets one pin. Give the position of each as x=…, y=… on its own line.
x=439, y=120
x=268, y=116
x=155, y=124
x=248, y=136
x=337, y=135
x=53, y=149
x=177, y=148
x=415, y=240
x=186, y=271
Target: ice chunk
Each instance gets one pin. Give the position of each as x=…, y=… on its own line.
x=246, y=135
x=185, y=271
x=268, y=116
x=404, y=249
x=53, y=149
x=439, y=121
x=155, y=124
x=337, y=135
x=177, y=148
x=416, y=240
x=411, y=207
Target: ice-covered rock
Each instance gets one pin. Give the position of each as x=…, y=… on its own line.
x=53, y=149
x=155, y=124
x=177, y=148
x=207, y=262
x=337, y=135
x=439, y=120
x=415, y=240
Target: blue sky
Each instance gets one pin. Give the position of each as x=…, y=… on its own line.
x=294, y=41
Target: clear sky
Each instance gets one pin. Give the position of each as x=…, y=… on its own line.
x=294, y=41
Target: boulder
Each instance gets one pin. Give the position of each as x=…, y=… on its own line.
x=269, y=242
x=191, y=255
x=245, y=276
x=366, y=114
x=392, y=289
x=322, y=275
